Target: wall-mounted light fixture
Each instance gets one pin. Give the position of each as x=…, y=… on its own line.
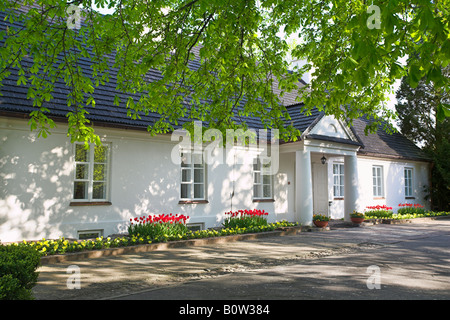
x=323, y=160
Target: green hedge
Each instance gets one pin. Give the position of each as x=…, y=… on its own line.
x=18, y=274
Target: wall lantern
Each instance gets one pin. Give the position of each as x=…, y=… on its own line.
x=323, y=160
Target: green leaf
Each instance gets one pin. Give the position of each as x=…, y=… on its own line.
x=442, y=112
x=414, y=76
x=21, y=80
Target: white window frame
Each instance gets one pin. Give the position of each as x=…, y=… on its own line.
x=262, y=181
x=409, y=181
x=89, y=179
x=188, y=168
x=338, y=180
x=377, y=181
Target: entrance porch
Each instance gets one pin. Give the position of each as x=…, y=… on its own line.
x=319, y=187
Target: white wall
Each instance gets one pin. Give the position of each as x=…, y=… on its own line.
x=36, y=185
x=394, y=187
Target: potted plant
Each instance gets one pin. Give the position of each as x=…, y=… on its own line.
x=357, y=217
x=320, y=220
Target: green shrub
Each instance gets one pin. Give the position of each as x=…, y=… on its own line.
x=18, y=274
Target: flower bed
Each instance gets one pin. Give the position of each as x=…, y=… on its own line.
x=62, y=245
x=156, y=226
x=400, y=216
x=378, y=211
x=409, y=208
x=245, y=219
x=405, y=211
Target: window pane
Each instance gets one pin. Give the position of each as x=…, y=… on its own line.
x=100, y=153
x=256, y=165
x=99, y=190
x=198, y=175
x=266, y=191
x=81, y=154
x=99, y=172
x=342, y=191
x=185, y=175
x=257, y=177
x=266, y=179
x=185, y=191
x=198, y=191
x=256, y=191
x=80, y=190
x=185, y=159
x=81, y=171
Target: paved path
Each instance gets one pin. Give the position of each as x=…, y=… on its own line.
x=413, y=261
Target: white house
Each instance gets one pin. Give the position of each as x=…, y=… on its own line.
x=51, y=188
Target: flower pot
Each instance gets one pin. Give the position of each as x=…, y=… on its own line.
x=357, y=220
x=320, y=224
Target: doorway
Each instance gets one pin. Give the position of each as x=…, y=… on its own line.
x=320, y=188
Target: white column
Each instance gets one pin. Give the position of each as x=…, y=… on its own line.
x=350, y=185
x=303, y=188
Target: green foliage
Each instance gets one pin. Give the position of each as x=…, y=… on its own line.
x=18, y=274
x=241, y=55
x=378, y=214
x=320, y=217
x=356, y=214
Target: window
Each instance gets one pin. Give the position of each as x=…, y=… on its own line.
x=262, y=180
x=338, y=180
x=192, y=177
x=377, y=175
x=196, y=226
x=91, y=173
x=408, y=172
x=89, y=234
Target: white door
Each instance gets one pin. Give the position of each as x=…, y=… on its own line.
x=320, y=188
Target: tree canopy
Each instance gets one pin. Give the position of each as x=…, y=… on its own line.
x=220, y=61
x=417, y=110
